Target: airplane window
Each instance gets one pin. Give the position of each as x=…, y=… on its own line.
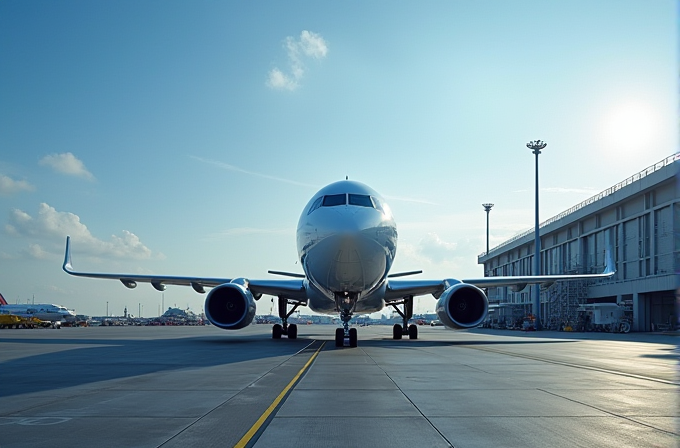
x=377, y=204
x=334, y=199
x=360, y=200
x=315, y=205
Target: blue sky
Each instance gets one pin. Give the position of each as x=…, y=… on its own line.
x=184, y=138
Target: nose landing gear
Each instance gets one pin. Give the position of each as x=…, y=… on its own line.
x=345, y=333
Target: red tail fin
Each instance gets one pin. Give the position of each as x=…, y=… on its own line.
x=2, y=300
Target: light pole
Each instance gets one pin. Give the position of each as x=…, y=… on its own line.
x=536, y=147
x=107, y=308
x=487, y=209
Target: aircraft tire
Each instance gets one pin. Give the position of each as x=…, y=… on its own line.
x=292, y=331
x=339, y=337
x=396, y=331
x=413, y=331
x=277, y=330
x=353, y=337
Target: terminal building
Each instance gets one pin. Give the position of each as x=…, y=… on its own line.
x=638, y=218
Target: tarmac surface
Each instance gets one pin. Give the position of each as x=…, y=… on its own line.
x=202, y=386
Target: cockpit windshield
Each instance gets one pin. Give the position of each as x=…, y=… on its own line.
x=334, y=200
x=361, y=200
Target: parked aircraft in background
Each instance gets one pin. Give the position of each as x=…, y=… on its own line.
x=43, y=311
x=346, y=242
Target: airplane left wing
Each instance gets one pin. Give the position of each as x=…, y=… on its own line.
x=398, y=289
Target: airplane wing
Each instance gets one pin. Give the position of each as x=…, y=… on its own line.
x=292, y=289
x=398, y=289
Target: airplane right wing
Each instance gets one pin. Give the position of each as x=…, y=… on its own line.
x=398, y=289
x=520, y=281
x=291, y=289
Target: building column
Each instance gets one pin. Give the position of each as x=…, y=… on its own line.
x=619, y=259
x=639, y=312
x=652, y=243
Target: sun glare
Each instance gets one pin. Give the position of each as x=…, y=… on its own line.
x=631, y=126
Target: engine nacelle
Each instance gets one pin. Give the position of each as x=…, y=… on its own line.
x=230, y=306
x=462, y=306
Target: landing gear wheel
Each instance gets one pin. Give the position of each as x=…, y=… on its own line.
x=396, y=331
x=277, y=331
x=292, y=331
x=412, y=332
x=352, y=337
x=339, y=337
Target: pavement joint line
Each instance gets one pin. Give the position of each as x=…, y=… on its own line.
x=613, y=414
x=427, y=419
x=246, y=439
x=577, y=366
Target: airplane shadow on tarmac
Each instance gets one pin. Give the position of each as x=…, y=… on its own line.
x=103, y=360
x=98, y=360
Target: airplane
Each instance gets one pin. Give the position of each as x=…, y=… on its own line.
x=346, y=242
x=43, y=311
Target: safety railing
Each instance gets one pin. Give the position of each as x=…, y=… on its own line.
x=634, y=178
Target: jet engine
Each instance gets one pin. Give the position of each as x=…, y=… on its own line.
x=230, y=306
x=462, y=306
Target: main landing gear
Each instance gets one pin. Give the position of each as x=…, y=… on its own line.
x=411, y=330
x=345, y=333
x=284, y=328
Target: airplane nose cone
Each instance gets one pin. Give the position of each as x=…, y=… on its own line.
x=347, y=262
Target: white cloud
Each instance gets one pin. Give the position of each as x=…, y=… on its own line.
x=435, y=249
x=37, y=252
x=313, y=45
x=67, y=163
x=308, y=45
x=53, y=226
x=278, y=80
x=10, y=186
x=431, y=251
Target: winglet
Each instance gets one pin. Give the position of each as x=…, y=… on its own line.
x=67, y=257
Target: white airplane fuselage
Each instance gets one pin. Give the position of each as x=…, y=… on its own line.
x=48, y=312
x=346, y=241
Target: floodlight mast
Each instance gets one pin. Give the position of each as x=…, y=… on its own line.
x=487, y=209
x=536, y=146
